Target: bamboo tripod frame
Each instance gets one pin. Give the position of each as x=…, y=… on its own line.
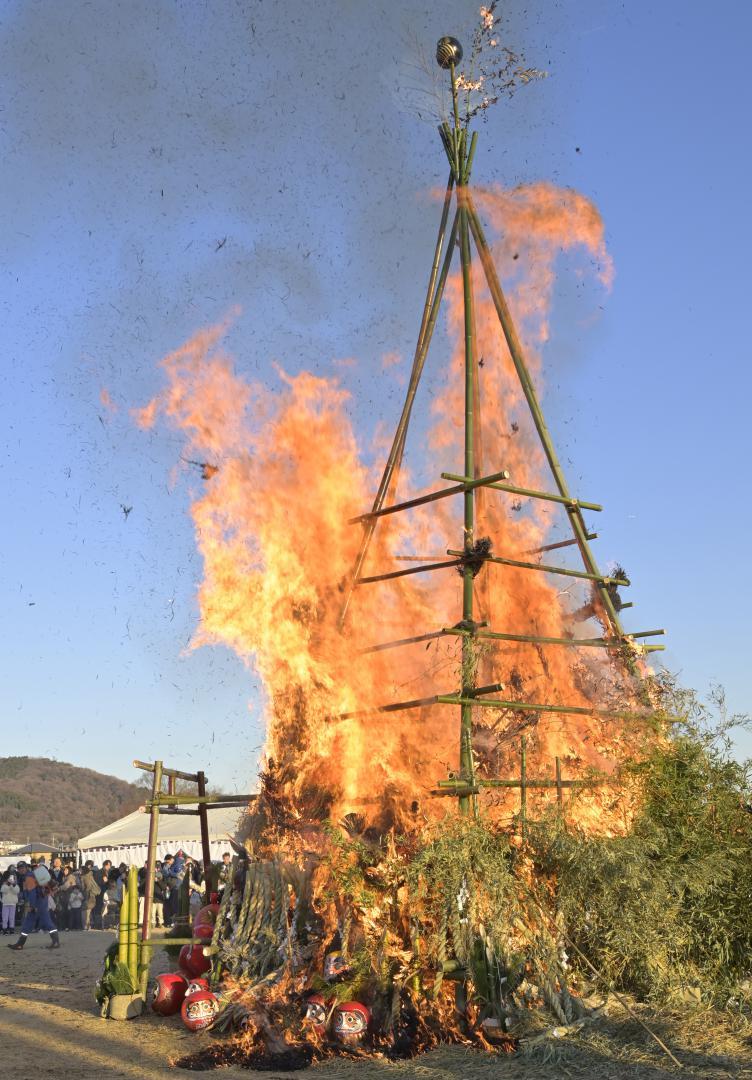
x=466, y=232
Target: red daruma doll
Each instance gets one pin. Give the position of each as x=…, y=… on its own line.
x=199, y=1010
x=169, y=992
x=350, y=1022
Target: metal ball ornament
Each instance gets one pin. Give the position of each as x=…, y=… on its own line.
x=448, y=52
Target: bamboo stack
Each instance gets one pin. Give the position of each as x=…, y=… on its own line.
x=128, y=943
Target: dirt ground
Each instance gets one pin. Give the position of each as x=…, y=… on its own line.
x=50, y=1027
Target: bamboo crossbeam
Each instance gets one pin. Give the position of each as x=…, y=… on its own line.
x=564, y=571
x=535, y=639
x=433, y=496
x=529, y=706
x=396, y=706
x=410, y=570
x=159, y=942
x=163, y=799
x=559, y=544
x=450, y=785
x=209, y=807
x=146, y=766
x=403, y=641
x=530, y=493
x=417, y=558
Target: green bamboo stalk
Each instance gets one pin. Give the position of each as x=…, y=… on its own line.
x=531, y=493
x=501, y=561
x=516, y=352
x=406, y=573
x=559, y=785
x=454, y=785
x=467, y=764
x=523, y=787
x=133, y=924
x=470, y=156
x=529, y=706
x=556, y=546
x=123, y=929
x=431, y=307
x=432, y=496
x=535, y=639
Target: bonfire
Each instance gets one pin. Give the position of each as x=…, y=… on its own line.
x=424, y=657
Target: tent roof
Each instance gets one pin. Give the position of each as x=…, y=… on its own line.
x=134, y=829
x=28, y=849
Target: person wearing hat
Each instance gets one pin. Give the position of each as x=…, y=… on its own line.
x=37, y=915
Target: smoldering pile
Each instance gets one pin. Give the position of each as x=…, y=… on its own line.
x=336, y=940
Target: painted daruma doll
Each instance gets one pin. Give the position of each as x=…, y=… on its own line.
x=335, y=966
x=315, y=1014
x=199, y=1010
x=351, y=1020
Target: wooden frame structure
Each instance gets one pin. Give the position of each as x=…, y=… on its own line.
x=169, y=802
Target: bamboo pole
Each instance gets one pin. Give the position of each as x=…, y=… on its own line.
x=431, y=306
x=165, y=799
x=172, y=774
x=563, y=570
x=450, y=787
x=133, y=924
x=529, y=706
x=518, y=359
x=421, y=500
x=151, y=858
x=204, y=824
x=403, y=641
x=559, y=786
x=530, y=493
x=523, y=787
x=536, y=639
x=470, y=481
x=123, y=929
x=559, y=544
x=410, y=570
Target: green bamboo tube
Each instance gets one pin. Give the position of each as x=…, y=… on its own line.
x=528, y=389
x=430, y=315
x=133, y=924
x=543, y=567
x=467, y=803
x=123, y=930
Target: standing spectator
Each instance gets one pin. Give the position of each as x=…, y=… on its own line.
x=37, y=915
x=62, y=898
x=224, y=876
x=76, y=904
x=92, y=892
x=9, y=891
x=112, y=897
x=157, y=896
x=102, y=878
x=171, y=885
x=56, y=871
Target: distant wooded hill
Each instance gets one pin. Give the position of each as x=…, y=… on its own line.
x=42, y=799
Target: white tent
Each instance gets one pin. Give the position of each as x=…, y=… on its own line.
x=126, y=840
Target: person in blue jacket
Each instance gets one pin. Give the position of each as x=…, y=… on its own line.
x=37, y=914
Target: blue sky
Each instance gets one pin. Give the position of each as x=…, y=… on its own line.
x=136, y=138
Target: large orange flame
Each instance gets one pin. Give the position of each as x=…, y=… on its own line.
x=272, y=529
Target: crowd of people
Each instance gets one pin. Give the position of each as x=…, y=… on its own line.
x=64, y=897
